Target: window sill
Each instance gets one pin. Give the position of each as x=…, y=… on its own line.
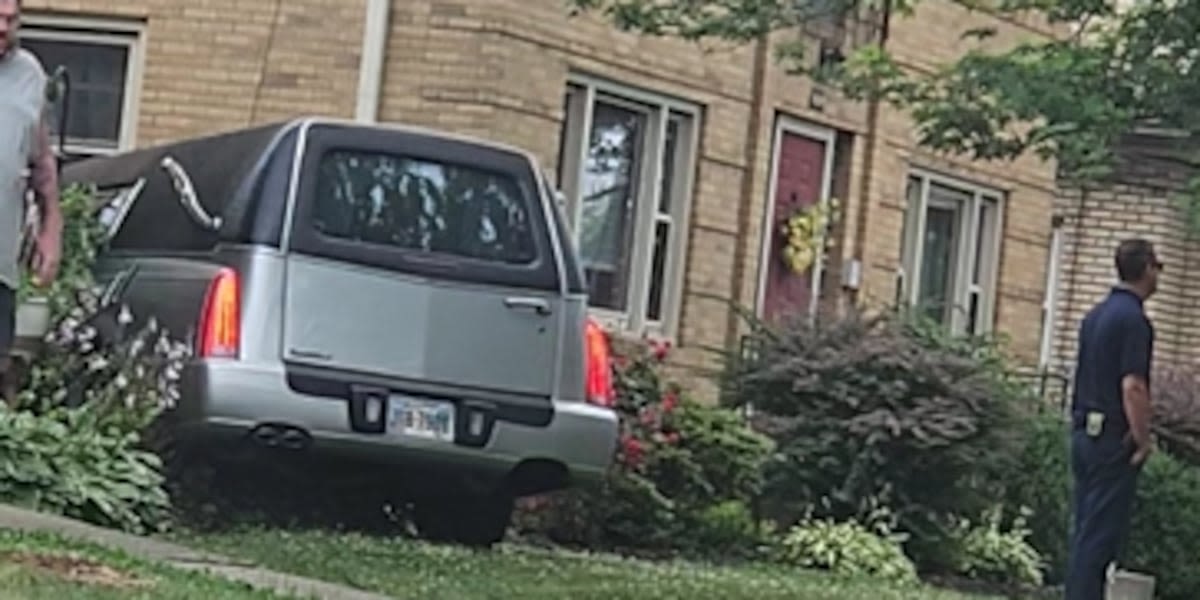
x=614, y=324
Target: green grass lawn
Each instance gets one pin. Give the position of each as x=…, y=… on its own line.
x=407, y=569
x=36, y=567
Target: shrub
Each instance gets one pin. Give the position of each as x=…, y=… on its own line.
x=988, y=553
x=1177, y=413
x=83, y=238
x=95, y=357
x=1041, y=481
x=74, y=443
x=727, y=526
x=1166, y=527
x=63, y=463
x=684, y=478
x=1166, y=521
x=847, y=548
x=864, y=405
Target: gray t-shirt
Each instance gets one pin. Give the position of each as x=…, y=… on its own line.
x=23, y=81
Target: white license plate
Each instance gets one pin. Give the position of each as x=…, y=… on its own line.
x=427, y=419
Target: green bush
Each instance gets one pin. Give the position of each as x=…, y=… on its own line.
x=1041, y=481
x=728, y=526
x=1177, y=413
x=864, y=406
x=1166, y=523
x=847, y=548
x=63, y=463
x=95, y=357
x=83, y=238
x=1165, y=540
x=684, y=479
x=74, y=443
x=987, y=552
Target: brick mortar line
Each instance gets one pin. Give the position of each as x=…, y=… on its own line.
x=503, y=30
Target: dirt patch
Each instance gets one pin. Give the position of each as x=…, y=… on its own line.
x=76, y=570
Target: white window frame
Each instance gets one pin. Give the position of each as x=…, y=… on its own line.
x=965, y=253
x=1050, y=299
x=659, y=110
x=786, y=124
x=106, y=32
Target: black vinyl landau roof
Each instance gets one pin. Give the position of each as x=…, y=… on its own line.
x=228, y=171
x=241, y=177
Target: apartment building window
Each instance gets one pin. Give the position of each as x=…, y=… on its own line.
x=102, y=60
x=626, y=167
x=951, y=251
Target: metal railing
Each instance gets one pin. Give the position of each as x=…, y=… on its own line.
x=1048, y=384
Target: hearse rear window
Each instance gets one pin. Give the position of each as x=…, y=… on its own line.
x=423, y=206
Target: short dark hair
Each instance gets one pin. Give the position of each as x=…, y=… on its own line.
x=1133, y=258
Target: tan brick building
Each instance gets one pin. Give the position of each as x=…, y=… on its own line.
x=673, y=158
x=1139, y=199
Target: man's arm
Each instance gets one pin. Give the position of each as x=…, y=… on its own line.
x=44, y=179
x=1135, y=386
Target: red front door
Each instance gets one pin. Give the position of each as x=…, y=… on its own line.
x=799, y=183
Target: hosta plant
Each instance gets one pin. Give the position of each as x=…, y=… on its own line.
x=989, y=553
x=853, y=548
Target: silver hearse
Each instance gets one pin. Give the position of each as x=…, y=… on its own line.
x=402, y=298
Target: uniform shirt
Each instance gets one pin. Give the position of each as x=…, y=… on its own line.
x=1115, y=340
x=23, y=81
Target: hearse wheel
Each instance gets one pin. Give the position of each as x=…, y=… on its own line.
x=471, y=520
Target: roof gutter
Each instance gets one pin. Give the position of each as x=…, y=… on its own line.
x=371, y=65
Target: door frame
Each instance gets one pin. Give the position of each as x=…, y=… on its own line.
x=787, y=124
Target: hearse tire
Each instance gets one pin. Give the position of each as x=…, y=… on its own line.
x=473, y=521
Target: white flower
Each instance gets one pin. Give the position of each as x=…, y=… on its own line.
x=121, y=381
x=125, y=317
x=130, y=400
x=171, y=398
x=97, y=363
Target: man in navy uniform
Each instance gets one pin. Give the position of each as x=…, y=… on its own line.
x=1110, y=434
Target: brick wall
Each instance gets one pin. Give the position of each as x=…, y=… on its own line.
x=1137, y=200
x=1028, y=183
x=499, y=69
x=212, y=65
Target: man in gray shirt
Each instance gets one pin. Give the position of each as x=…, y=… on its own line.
x=27, y=161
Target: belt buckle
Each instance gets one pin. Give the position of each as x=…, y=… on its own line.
x=1095, y=423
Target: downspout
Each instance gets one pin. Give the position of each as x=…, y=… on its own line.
x=860, y=227
x=371, y=64
x=750, y=158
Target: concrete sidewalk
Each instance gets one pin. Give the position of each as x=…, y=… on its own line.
x=18, y=519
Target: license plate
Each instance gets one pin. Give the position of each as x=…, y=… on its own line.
x=426, y=419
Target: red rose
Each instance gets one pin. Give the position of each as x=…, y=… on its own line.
x=673, y=438
x=670, y=401
x=661, y=350
x=633, y=452
x=648, y=417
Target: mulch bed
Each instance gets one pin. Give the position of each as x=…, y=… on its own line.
x=76, y=570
